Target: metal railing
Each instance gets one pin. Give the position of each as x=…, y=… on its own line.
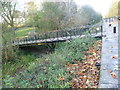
x=64, y=34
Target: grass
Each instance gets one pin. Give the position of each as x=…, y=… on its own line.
x=19, y=64
x=22, y=32
x=49, y=71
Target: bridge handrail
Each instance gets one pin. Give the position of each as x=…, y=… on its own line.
x=59, y=33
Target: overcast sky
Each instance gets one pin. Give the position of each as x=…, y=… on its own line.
x=101, y=6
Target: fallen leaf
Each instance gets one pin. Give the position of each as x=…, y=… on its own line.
x=110, y=71
x=62, y=78
x=113, y=75
x=114, y=57
x=86, y=75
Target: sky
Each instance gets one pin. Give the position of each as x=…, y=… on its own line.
x=101, y=6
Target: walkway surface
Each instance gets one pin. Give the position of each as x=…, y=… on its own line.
x=54, y=39
x=109, y=61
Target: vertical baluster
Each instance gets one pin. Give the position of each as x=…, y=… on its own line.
x=90, y=31
x=101, y=29
x=53, y=35
x=57, y=35
x=30, y=39
x=77, y=32
x=63, y=33
x=34, y=38
x=16, y=41
x=106, y=20
x=46, y=35
x=70, y=33
x=109, y=19
x=19, y=41
x=80, y=31
x=66, y=33
x=13, y=41
x=22, y=40
x=38, y=36
x=73, y=32
x=96, y=30
x=26, y=39
x=42, y=36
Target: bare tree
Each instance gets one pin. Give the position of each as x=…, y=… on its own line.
x=8, y=11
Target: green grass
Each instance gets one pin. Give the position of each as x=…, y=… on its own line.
x=22, y=32
x=19, y=64
x=48, y=70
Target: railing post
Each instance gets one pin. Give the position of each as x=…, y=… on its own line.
x=70, y=33
x=57, y=34
x=89, y=31
x=96, y=30
x=74, y=32
x=35, y=39
x=101, y=29
x=66, y=33
x=24, y=40
x=45, y=36
x=27, y=39
x=80, y=31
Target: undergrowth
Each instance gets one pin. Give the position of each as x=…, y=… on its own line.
x=17, y=64
x=49, y=71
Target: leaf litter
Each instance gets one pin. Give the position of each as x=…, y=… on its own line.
x=86, y=74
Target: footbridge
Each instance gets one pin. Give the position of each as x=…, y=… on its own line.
x=65, y=34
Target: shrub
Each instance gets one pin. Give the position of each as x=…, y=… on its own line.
x=18, y=64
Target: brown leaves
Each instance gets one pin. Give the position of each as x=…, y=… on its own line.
x=86, y=74
x=113, y=74
x=114, y=57
x=62, y=78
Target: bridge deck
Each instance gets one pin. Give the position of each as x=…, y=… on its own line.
x=54, y=39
